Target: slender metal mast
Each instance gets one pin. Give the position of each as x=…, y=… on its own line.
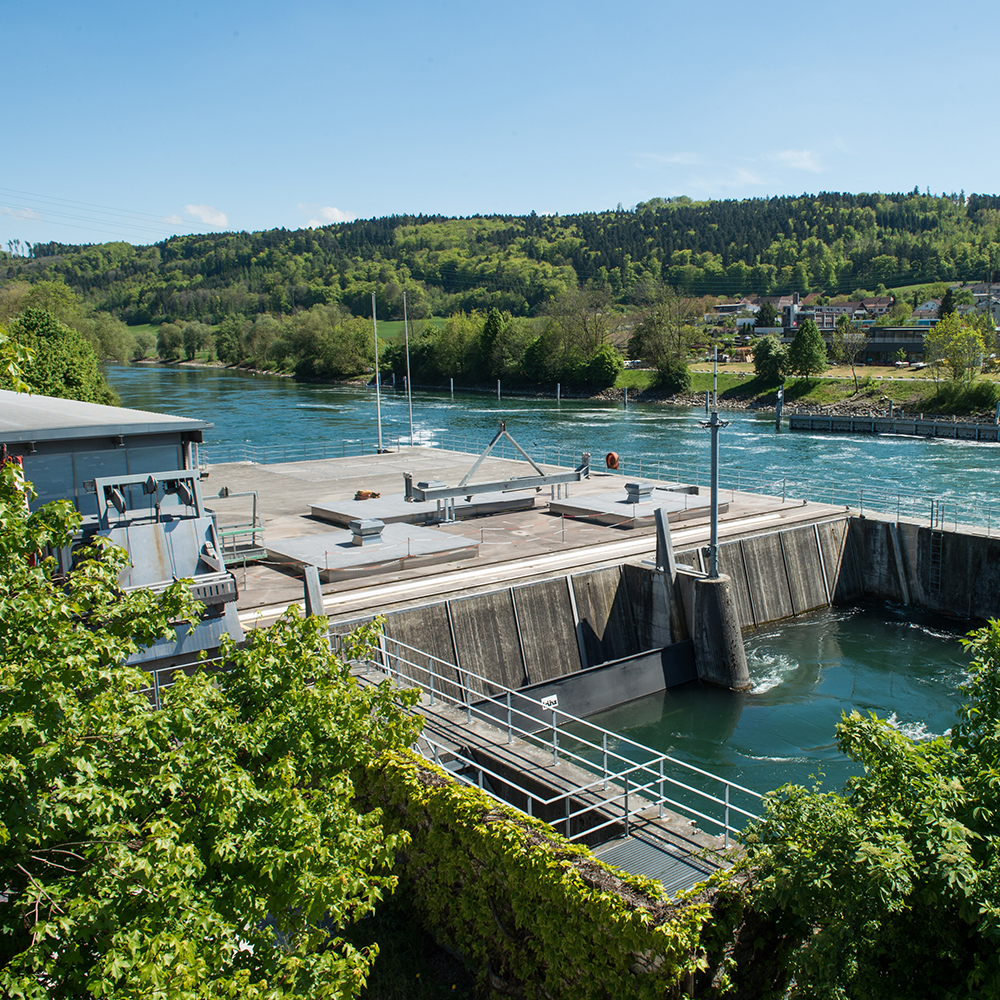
x=378, y=392
x=409, y=388
x=714, y=425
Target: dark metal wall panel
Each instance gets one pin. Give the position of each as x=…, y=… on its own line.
x=547, y=630
x=486, y=639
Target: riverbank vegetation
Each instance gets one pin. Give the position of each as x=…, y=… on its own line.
x=529, y=300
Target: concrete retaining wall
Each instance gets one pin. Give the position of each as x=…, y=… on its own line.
x=945, y=571
x=783, y=573
x=548, y=629
x=532, y=635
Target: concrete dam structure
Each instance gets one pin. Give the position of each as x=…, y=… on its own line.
x=603, y=637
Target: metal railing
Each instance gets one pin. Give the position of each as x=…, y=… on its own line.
x=865, y=498
x=306, y=451
x=629, y=778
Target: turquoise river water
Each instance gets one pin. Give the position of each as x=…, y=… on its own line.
x=805, y=672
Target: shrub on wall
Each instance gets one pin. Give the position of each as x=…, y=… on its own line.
x=535, y=913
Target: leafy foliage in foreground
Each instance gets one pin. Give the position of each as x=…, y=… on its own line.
x=210, y=848
x=892, y=889
x=537, y=915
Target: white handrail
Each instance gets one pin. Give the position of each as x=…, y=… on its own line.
x=435, y=675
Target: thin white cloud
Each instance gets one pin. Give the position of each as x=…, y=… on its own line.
x=797, y=159
x=681, y=159
x=208, y=215
x=173, y=220
x=21, y=213
x=738, y=178
x=326, y=216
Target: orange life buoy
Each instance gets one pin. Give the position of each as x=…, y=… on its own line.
x=611, y=459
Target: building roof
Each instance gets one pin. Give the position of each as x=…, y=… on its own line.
x=29, y=417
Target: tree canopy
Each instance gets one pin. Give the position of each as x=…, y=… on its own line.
x=959, y=343
x=836, y=243
x=56, y=360
x=209, y=847
x=770, y=359
x=807, y=351
x=891, y=889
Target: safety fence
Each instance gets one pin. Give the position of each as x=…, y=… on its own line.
x=627, y=777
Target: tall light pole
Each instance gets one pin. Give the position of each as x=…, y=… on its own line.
x=409, y=390
x=378, y=392
x=714, y=425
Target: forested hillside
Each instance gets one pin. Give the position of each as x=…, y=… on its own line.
x=834, y=243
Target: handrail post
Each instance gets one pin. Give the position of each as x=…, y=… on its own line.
x=605, y=742
x=661, y=788
x=432, y=673
x=726, y=828
x=626, y=803
x=510, y=729
x=555, y=738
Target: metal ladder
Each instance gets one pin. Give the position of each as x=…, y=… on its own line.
x=937, y=545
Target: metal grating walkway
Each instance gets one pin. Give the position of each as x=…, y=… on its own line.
x=640, y=857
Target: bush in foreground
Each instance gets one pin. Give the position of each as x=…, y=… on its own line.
x=208, y=848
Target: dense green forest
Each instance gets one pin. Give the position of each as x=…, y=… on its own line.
x=834, y=243
x=562, y=291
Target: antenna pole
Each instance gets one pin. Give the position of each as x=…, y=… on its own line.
x=378, y=392
x=409, y=387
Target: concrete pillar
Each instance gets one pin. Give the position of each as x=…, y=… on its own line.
x=313, y=595
x=718, y=643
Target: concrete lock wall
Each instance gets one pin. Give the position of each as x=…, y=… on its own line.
x=950, y=572
x=782, y=573
x=526, y=636
x=530, y=635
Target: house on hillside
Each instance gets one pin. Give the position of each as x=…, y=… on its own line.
x=990, y=305
x=926, y=314
x=825, y=317
x=878, y=306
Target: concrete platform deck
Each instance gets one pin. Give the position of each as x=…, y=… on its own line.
x=402, y=546
x=395, y=508
x=616, y=509
x=514, y=546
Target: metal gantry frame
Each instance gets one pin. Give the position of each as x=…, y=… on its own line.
x=468, y=490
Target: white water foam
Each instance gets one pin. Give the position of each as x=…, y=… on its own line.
x=768, y=670
x=916, y=731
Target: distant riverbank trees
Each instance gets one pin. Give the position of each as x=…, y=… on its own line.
x=833, y=243
x=575, y=345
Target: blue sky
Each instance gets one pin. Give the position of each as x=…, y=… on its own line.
x=137, y=120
